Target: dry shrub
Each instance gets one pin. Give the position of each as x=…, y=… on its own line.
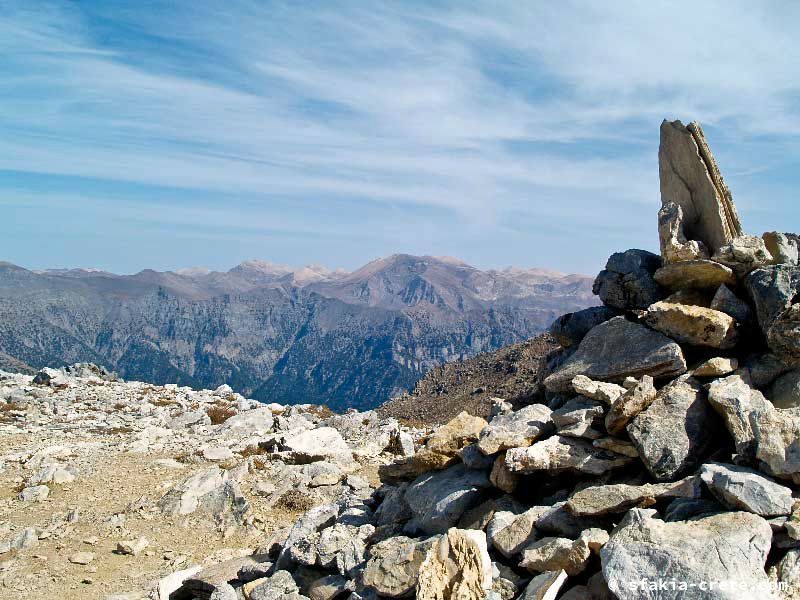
x=220, y=412
x=295, y=500
x=321, y=411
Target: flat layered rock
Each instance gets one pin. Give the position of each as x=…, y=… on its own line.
x=515, y=429
x=741, y=488
x=560, y=453
x=694, y=274
x=727, y=547
x=689, y=177
x=675, y=432
x=618, y=498
x=693, y=325
x=618, y=349
x=718, y=366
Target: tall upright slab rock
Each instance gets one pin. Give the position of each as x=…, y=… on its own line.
x=690, y=178
x=618, y=349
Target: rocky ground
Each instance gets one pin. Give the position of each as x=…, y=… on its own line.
x=108, y=486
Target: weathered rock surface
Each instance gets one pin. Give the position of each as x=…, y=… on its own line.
x=674, y=245
x=441, y=449
x=630, y=404
x=571, y=328
x=617, y=498
x=785, y=391
x=392, y=569
x=743, y=254
x=515, y=429
x=618, y=349
x=694, y=274
x=773, y=291
x=719, y=366
x=674, y=433
x=726, y=301
x=781, y=247
x=457, y=566
x=579, y=417
x=560, y=453
x=693, y=325
x=690, y=178
x=597, y=390
x=741, y=488
x=730, y=547
x=545, y=586
x=735, y=400
x=627, y=281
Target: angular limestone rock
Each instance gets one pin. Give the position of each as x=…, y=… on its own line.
x=560, y=453
x=718, y=366
x=690, y=178
x=735, y=400
x=618, y=498
x=630, y=404
x=675, y=432
x=693, y=325
x=509, y=533
x=579, y=417
x=694, y=274
x=545, y=586
x=441, y=449
x=728, y=547
x=597, y=390
x=726, y=301
x=456, y=567
x=773, y=291
x=558, y=553
x=515, y=429
x=782, y=249
x=393, y=566
x=618, y=349
x=627, y=281
x=746, y=489
x=743, y=254
x=777, y=435
x=674, y=245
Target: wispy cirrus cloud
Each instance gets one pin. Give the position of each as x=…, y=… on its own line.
x=444, y=126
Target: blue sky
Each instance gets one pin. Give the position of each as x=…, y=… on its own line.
x=178, y=133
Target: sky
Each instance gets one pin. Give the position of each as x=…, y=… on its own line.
x=168, y=134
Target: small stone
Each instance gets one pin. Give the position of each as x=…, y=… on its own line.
x=623, y=447
x=597, y=390
x=782, y=249
x=81, y=558
x=515, y=429
x=631, y=403
x=132, y=547
x=545, y=586
x=578, y=418
x=441, y=449
x=35, y=493
x=560, y=453
x=718, y=366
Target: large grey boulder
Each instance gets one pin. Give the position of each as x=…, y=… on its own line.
x=627, y=281
x=728, y=548
x=675, y=432
x=515, y=429
x=439, y=498
x=773, y=291
x=618, y=349
x=690, y=177
x=213, y=492
x=746, y=489
x=570, y=329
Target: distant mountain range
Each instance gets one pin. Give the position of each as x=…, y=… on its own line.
x=279, y=333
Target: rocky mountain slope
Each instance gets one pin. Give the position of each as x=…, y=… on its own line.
x=276, y=333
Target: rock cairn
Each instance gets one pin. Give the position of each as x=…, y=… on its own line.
x=662, y=460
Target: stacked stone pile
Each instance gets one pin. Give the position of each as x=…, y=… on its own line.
x=662, y=460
